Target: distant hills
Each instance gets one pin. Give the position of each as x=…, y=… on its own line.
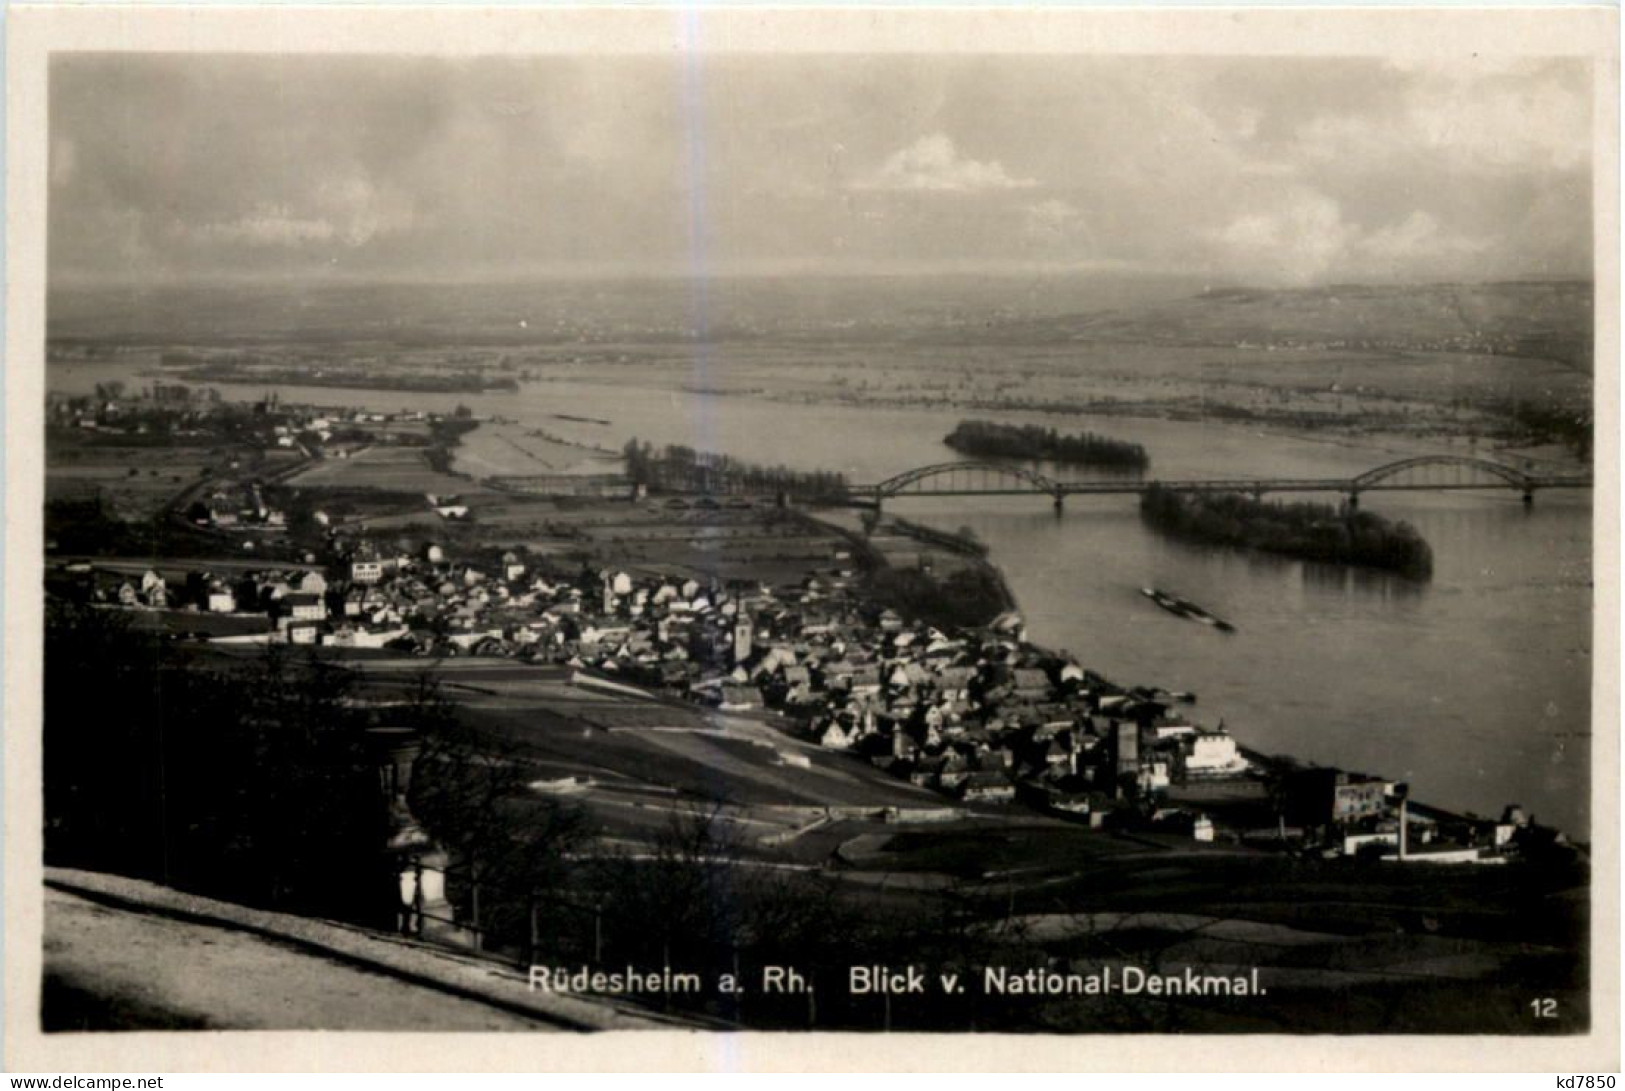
x=1547, y=319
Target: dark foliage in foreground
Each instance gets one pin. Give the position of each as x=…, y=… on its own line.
x=1312, y=532
x=91, y=528
x=1029, y=441
x=249, y=781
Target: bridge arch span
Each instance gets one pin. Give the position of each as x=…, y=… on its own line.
x=898, y=483
x=971, y=478
x=1515, y=479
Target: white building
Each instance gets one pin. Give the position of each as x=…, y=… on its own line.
x=1213, y=753
x=305, y=607
x=366, y=571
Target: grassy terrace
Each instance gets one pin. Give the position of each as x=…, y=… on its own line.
x=535, y=715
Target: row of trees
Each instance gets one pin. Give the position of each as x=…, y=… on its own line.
x=445, y=434
x=968, y=597
x=1313, y=532
x=683, y=469
x=1539, y=423
x=1029, y=441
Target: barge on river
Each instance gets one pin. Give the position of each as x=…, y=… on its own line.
x=1186, y=609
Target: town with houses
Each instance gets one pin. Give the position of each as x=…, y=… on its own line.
x=981, y=716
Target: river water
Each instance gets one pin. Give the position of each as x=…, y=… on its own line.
x=1474, y=686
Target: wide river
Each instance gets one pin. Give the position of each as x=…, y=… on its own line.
x=1474, y=686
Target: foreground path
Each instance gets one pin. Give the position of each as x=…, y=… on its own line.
x=109, y=967
x=125, y=954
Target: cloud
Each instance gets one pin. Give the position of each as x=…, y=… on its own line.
x=269, y=225
x=933, y=164
x=1053, y=216
x=1307, y=237
x=1269, y=170
x=359, y=211
x=344, y=207
x=1301, y=237
x=1473, y=121
x=1054, y=222
x=1417, y=238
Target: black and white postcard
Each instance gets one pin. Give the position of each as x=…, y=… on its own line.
x=1007, y=537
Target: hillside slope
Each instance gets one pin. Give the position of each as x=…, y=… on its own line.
x=1546, y=319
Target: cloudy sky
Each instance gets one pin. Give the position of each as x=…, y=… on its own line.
x=1245, y=170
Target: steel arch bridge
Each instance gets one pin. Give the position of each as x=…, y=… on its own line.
x=1423, y=473
x=1427, y=468
x=967, y=479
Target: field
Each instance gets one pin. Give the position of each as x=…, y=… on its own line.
x=750, y=541
x=387, y=469
x=198, y=625
x=654, y=748
x=746, y=543
x=496, y=449
x=1548, y=320
x=138, y=482
x=1409, y=392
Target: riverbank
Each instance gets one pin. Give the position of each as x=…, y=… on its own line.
x=1367, y=399
x=337, y=376
x=502, y=448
